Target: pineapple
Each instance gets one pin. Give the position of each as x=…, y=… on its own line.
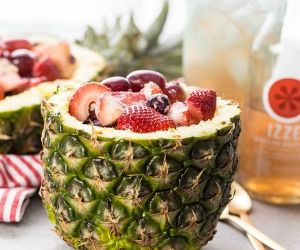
x=115, y=189
x=20, y=118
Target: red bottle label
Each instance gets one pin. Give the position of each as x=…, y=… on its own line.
x=281, y=99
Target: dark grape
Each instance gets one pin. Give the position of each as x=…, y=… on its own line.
x=175, y=92
x=137, y=79
x=24, y=60
x=159, y=102
x=116, y=83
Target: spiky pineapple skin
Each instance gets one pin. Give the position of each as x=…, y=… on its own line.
x=116, y=193
x=20, y=131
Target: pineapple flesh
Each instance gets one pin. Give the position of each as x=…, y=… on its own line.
x=111, y=189
x=21, y=122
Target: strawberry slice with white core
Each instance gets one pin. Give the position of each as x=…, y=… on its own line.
x=150, y=89
x=84, y=98
x=11, y=81
x=202, y=104
x=179, y=113
x=110, y=106
x=9, y=77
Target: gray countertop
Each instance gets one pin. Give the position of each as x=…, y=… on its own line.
x=282, y=223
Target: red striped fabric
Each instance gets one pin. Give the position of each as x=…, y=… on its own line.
x=20, y=177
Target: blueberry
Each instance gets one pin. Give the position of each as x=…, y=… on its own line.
x=159, y=102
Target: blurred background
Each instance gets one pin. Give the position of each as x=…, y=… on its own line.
x=69, y=19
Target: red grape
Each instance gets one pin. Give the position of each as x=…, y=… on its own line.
x=137, y=79
x=116, y=83
x=174, y=91
x=24, y=60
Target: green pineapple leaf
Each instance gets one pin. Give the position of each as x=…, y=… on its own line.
x=129, y=49
x=157, y=26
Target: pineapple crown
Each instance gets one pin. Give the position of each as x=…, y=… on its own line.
x=126, y=50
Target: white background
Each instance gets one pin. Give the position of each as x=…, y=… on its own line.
x=68, y=18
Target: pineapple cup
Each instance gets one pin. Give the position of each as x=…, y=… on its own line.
x=20, y=115
x=114, y=189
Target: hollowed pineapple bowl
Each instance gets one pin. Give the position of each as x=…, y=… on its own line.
x=106, y=188
x=20, y=115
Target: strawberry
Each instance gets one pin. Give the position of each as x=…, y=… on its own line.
x=61, y=56
x=202, y=104
x=151, y=88
x=28, y=83
x=110, y=105
x=11, y=80
x=33, y=81
x=14, y=44
x=46, y=67
x=179, y=113
x=83, y=98
x=142, y=119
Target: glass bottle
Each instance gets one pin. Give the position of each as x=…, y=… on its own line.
x=217, y=44
x=270, y=161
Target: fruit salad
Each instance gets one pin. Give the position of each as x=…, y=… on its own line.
x=28, y=72
x=138, y=163
x=142, y=102
x=24, y=64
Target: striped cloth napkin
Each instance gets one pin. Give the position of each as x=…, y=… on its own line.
x=20, y=178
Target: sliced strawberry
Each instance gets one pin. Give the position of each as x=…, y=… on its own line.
x=46, y=67
x=28, y=83
x=84, y=97
x=14, y=44
x=108, y=109
x=179, y=113
x=142, y=119
x=11, y=80
x=151, y=88
x=61, y=55
x=110, y=106
x=22, y=87
x=202, y=104
x=33, y=81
